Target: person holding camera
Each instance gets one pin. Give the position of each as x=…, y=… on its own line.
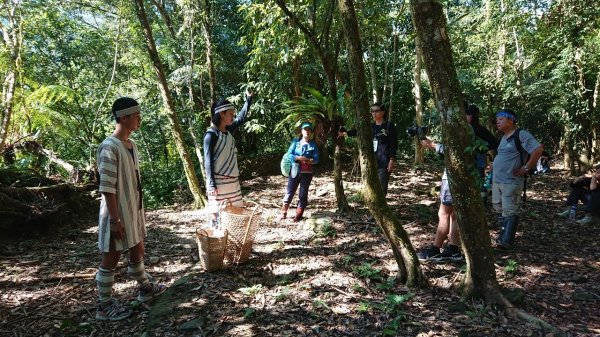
x=510, y=168
x=385, y=143
x=447, y=223
x=593, y=208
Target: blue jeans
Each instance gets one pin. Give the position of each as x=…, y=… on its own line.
x=303, y=180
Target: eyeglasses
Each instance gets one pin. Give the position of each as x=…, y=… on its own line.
x=376, y=111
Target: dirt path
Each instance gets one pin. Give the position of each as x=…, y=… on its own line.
x=332, y=277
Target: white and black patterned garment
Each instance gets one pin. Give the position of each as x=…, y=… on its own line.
x=119, y=175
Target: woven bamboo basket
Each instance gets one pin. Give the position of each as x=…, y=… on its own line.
x=241, y=224
x=212, y=244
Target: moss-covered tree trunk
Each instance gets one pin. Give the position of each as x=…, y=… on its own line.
x=408, y=265
x=188, y=166
x=434, y=48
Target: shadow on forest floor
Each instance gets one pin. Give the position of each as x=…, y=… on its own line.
x=338, y=281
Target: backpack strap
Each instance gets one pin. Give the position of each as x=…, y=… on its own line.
x=517, y=139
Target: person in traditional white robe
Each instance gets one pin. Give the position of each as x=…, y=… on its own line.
x=121, y=223
x=220, y=156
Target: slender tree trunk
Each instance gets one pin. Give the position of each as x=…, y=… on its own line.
x=194, y=106
x=12, y=38
x=393, y=74
x=188, y=167
x=207, y=33
x=373, y=74
x=596, y=121
x=434, y=48
x=409, y=268
x=327, y=53
x=418, y=109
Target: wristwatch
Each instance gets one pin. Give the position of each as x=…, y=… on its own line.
x=114, y=221
x=526, y=168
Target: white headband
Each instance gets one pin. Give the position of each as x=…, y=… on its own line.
x=127, y=111
x=223, y=108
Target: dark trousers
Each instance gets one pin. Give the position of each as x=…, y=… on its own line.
x=578, y=194
x=302, y=179
x=384, y=178
x=594, y=206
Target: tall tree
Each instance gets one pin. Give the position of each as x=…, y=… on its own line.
x=434, y=47
x=199, y=199
x=408, y=264
x=325, y=43
x=11, y=27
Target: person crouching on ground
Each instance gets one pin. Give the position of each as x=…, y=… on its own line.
x=122, y=223
x=220, y=155
x=303, y=153
x=509, y=169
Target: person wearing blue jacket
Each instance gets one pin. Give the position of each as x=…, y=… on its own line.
x=303, y=153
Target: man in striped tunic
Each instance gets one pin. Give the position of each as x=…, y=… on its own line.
x=220, y=155
x=121, y=222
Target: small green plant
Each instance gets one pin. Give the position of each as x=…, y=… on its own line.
x=511, y=267
x=363, y=307
x=251, y=291
x=326, y=230
x=393, y=302
x=249, y=312
x=319, y=304
x=346, y=260
x=366, y=270
x=356, y=198
x=393, y=328
x=356, y=287
x=283, y=295
x=387, y=284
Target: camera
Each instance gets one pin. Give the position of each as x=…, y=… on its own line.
x=417, y=131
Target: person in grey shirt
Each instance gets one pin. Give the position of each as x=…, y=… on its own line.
x=509, y=172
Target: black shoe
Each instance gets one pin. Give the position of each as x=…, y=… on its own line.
x=451, y=253
x=429, y=253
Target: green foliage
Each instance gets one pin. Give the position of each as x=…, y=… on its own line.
x=251, y=291
x=511, y=267
x=249, y=312
x=367, y=271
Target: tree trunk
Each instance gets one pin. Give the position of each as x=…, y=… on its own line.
x=596, y=122
x=434, y=48
x=393, y=75
x=418, y=109
x=373, y=74
x=188, y=167
x=12, y=38
x=207, y=33
x=409, y=268
x=328, y=56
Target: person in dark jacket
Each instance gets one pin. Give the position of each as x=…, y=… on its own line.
x=385, y=143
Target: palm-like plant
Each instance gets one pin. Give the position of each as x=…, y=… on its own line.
x=315, y=108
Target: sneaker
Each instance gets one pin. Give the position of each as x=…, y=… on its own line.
x=586, y=220
x=429, y=253
x=451, y=253
x=154, y=291
x=112, y=311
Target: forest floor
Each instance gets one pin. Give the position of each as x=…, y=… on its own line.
x=335, y=280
